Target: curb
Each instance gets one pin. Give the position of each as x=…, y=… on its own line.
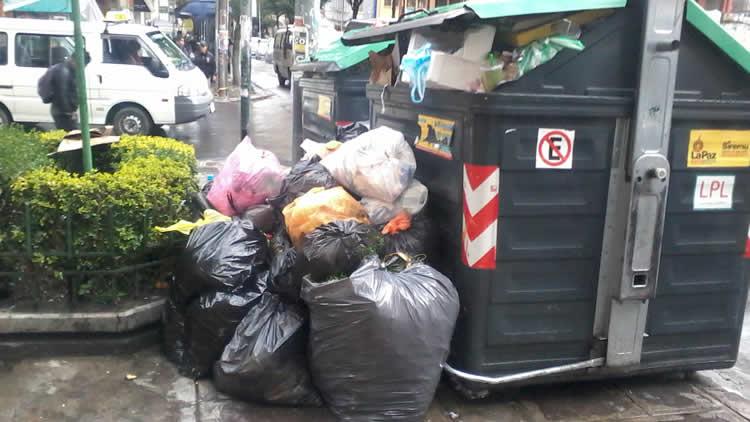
x=128, y=320
x=25, y=346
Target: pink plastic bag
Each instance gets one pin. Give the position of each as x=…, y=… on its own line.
x=249, y=176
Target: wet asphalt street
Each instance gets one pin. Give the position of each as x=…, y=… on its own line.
x=216, y=135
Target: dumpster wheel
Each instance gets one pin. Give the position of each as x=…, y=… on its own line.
x=467, y=389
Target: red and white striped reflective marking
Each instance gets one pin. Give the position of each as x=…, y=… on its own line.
x=747, y=244
x=481, y=205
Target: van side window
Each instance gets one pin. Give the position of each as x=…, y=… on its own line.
x=34, y=50
x=130, y=51
x=3, y=48
x=124, y=50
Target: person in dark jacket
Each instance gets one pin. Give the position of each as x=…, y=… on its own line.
x=205, y=61
x=65, y=99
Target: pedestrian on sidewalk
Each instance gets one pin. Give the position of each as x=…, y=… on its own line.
x=206, y=61
x=64, y=90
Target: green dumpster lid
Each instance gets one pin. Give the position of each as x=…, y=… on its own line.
x=337, y=56
x=489, y=9
x=718, y=35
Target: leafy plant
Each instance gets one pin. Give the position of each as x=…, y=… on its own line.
x=19, y=152
x=79, y=224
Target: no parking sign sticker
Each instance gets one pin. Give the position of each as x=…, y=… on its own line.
x=554, y=149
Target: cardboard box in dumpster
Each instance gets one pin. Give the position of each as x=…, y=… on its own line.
x=457, y=58
x=453, y=72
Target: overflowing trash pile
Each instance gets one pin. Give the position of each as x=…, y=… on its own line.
x=313, y=287
x=479, y=58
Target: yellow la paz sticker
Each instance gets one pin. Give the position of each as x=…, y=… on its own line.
x=719, y=148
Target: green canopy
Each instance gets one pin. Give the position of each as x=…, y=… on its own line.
x=46, y=6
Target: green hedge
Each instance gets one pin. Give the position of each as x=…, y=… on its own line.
x=82, y=225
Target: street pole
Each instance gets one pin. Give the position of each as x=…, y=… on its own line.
x=246, y=26
x=222, y=45
x=81, y=85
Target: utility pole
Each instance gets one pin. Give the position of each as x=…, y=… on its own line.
x=222, y=46
x=83, y=103
x=246, y=87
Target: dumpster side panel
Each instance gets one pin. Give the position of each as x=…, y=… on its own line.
x=331, y=99
x=703, y=281
x=536, y=308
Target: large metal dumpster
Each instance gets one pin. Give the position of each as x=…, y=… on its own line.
x=332, y=90
x=594, y=213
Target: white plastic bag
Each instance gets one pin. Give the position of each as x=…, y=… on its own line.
x=412, y=200
x=249, y=176
x=378, y=164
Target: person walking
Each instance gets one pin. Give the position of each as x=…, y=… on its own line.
x=205, y=61
x=65, y=93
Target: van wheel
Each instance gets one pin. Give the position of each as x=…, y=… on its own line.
x=5, y=120
x=132, y=121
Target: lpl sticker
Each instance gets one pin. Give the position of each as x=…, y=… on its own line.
x=713, y=192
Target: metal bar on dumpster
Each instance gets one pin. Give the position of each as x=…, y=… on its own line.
x=522, y=376
x=649, y=180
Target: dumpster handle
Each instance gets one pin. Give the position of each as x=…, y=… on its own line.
x=593, y=363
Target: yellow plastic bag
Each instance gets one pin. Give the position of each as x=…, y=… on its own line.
x=185, y=227
x=320, y=206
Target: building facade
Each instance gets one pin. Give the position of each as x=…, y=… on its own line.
x=392, y=8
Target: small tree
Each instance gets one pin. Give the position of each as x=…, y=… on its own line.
x=355, y=5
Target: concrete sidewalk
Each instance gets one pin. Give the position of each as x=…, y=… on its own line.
x=96, y=389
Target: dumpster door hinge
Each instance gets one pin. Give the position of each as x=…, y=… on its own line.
x=662, y=25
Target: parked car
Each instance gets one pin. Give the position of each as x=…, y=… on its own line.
x=289, y=47
x=137, y=78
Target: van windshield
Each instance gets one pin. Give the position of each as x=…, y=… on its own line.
x=171, y=50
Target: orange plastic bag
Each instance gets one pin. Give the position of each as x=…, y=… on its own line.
x=320, y=206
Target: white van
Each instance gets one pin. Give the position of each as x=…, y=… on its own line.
x=289, y=47
x=137, y=77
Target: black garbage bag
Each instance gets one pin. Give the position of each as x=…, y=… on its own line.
x=266, y=360
x=337, y=248
x=174, y=337
x=286, y=270
x=207, y=187
x=378, y=340
x=352, y=130
x=416, y=240
x=302, y=177
x=264, y=217
x=220, y=256
x=198, y=204
x=210, y=322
